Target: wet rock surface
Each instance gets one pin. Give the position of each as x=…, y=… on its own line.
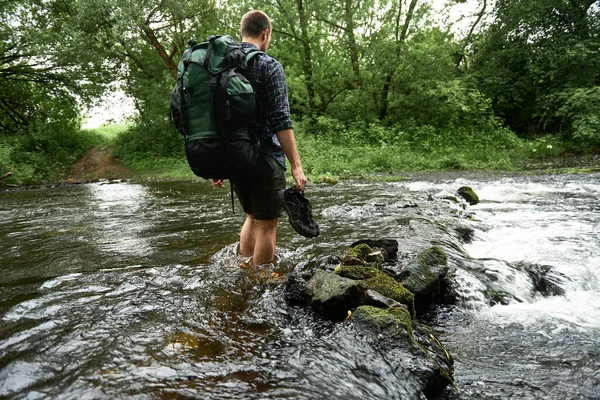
x=383, y=309
x=384, y=286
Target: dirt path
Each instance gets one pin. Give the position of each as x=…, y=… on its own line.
x=97, y=163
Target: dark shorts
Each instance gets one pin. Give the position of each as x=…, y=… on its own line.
x=258, y=192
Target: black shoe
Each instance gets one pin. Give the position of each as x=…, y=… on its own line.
x=300, y=212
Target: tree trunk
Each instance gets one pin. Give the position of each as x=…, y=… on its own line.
x=461, y=55
x=307, y=60
x=349, y=17
x=400, y=38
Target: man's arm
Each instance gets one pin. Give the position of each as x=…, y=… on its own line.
x=288, y=143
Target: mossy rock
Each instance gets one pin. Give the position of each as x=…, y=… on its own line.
x=389, y=287
x=410, y=348
x=361, y=251
x=333, y=296
x=357, y=271
x=391, y=323
x=433, y=256
x=388, y=246
x=423, y=276
x=468, y=194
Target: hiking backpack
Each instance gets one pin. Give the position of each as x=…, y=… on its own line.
x=212, y=106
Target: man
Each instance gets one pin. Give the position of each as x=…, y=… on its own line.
x=258, y=192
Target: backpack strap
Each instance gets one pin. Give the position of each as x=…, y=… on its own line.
x=211, y=41
x=252, y=53
x=213, y=88
x=249, y=55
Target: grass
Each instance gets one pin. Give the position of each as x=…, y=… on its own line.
x=326, y=157
x=108, y=133
x=323, y=160
x=330, y=158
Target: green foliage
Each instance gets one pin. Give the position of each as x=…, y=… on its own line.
x=536, y=56
x=108, y=133
x=374, y=86
x=341, y=152
x=149, y=147
x=581, y=108
x=44, y=155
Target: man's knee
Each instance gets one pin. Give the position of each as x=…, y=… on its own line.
x=266, y=225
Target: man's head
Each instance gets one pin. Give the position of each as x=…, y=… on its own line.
x=256, y=29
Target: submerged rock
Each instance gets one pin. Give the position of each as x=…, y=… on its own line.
x=489, y=281
x=544, y=278
x=295, y=290
x=391, y=331
x=464, y=233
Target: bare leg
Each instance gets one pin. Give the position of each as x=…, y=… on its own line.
x=248, y=237
x=266, y=238
x=258, y=239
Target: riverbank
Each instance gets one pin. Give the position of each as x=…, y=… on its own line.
x=330, y=158
x=110, y=155
x=100, y=164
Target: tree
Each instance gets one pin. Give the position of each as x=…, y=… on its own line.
x=537, y=57
x=42, y=77
x=400, y=35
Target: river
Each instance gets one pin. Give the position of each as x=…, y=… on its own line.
x=133, y=290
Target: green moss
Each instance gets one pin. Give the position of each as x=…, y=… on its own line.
x=361, y=251
x=389, y=287
x=357, y=271
x=384, y=320
x=433, y=256
x=469, y=195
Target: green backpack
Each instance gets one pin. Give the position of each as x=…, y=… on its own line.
x=213, y=105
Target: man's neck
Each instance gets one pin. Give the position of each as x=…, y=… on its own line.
x=251, y=41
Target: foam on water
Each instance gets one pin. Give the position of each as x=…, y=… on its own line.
x=543, y=220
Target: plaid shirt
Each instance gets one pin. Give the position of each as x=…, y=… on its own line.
x=272, y=106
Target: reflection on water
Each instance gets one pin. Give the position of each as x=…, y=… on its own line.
x=133, y=290
x=119, y=220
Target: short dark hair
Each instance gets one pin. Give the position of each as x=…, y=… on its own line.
x=254, y=23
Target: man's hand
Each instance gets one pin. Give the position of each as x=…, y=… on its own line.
x=218, y=183
x=299, y=178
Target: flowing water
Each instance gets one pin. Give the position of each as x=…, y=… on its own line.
x=133, y=290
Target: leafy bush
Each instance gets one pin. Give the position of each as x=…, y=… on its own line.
x=144, y=147
x=581, y=107
x=352, y=152
x=44, y=155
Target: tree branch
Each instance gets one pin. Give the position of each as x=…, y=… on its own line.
x=151, y=36
x=467, y=39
